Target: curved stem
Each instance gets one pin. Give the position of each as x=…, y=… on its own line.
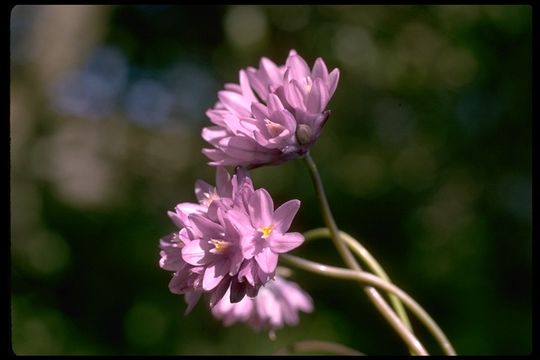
x=370, y=261
x=317, y=346
x=405, y=333
x=327, y=215
x=373, y=280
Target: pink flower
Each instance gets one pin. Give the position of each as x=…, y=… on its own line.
x=186, y=279
x=265, y=230
x=215, y=246
x=277, y=304
x=273, y=115
x=229, y=241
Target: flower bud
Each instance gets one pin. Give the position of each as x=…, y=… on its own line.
x=304, y=134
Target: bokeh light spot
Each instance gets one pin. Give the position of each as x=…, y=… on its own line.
x=245, y=25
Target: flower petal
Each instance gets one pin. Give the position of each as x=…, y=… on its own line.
x=207, y=227
x=241, y=311
x=274, y=104
x=284, y=215
x=286, y=119
x=194, y=252
x=320, y=70
x=270, y=71
x=263, y=277
x=252, y=290
x=178, y=283
x=171, y=259
x=202, y=190
x=333, y=79
x=235, y=102
x=318, y=97
x=248, y=245
x=213, y=134
x=219, y=291
x=269, y=308
x=257, y=83
x=262, y=140
x=261, y=208
x=267, y=260
x=294, y=95
x=298, y=66
x=297, y=297
x=238, y=291
x=223, y=182
x=247, y=272
x=187, y=208
x=218, y=157
x=216, y=115
x=169, y=240
x=260, y=111
x=286, y=242
x=233, y=87
x=238, y=125
x=192, y=298
x=247, y=92
x=178, y=219
x=247, y=150
x=213, y=275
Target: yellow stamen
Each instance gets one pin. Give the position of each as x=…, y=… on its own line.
x=219, y=246
x=266, y=230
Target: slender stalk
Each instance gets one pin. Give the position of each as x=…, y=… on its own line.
x=372, y=293
x=327, y=215
x=369, y=260
x=373, y=280
x=309, y=346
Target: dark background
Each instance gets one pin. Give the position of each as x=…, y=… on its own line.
x=426, y=158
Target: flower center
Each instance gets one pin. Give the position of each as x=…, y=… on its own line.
x=274, y=129
x=266, y=231
x=220, y=246
x=209, y=197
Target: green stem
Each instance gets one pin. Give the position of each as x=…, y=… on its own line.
x=373, y=280
x=404, y=332
x=370, y=261
x=327, y=215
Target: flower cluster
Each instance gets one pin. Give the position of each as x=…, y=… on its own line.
x=229, y=241
x=273, y=115
x=277, y=304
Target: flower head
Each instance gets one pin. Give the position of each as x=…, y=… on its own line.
x=277, y=304
x=273, y=115
x=229, y=241
x=265, y=230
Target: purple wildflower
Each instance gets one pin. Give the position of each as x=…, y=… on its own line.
x=186, y=279
x=277, y=304
x=273, y=115
x=215, y=246
x=265, y=230
x=229, y=241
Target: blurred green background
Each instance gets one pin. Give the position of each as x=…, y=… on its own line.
x=426, y=159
